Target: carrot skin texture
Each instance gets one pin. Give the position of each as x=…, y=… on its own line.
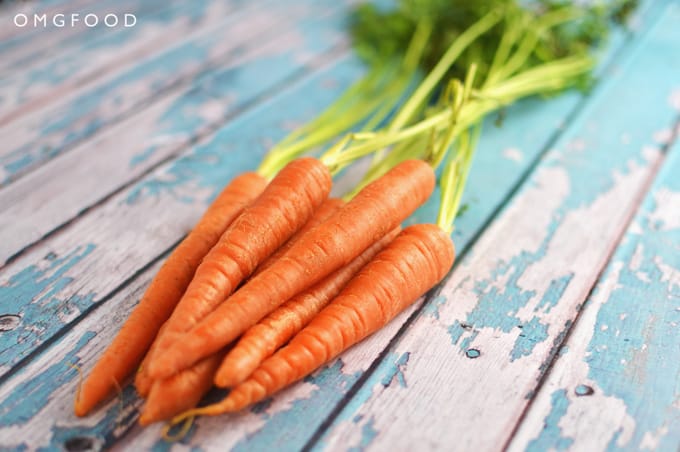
x=411, y=265
x=142, y=381
x=180, y=392
x=263, y=339
x=286, y=204
x=380, y=207
x=324, y=211
x=124, y=354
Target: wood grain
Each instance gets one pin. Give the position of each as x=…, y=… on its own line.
x=62, y=285
x=45, y=419
x=615, y=383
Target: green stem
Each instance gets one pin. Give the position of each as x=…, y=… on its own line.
x=435, y=76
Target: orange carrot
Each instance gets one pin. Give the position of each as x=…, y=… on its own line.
x=286, y=204
x=380, y=207
x=263, y=339
x=180, y=392
x=122, y=357
x=414, y=262
x=142, y=380
x=326, y=209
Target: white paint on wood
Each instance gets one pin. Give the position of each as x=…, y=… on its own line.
x=667, y=212
x=651, y=439
x=669, y=274
x=21, y=95
x=449, y=395
x=58, y=410
x=513, y=154
x=43, y=43
x=674, y=99
x=48, y=197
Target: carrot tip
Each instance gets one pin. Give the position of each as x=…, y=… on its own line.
x=79, y=410
x=229, y=379
x=224, y=382
x=145, y=420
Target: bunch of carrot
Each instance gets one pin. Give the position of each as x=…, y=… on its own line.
x=275, y=280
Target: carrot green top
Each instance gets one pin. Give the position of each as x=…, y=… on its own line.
x=477, y=57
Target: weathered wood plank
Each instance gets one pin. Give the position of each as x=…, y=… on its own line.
x=292, y=416
x=36, y=138
x=289, y=420
x=132, y=147
x=46, y=42
x=45, y=420
x=615, y=384
x=65, y=74
x=60, y=278
x=476, y=354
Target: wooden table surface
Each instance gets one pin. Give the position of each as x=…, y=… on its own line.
x=558, y=328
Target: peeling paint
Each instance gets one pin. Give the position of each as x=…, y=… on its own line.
x=32, y=395
x=38, y=294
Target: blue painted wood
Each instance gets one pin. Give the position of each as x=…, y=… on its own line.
x=84, y=262
x=34, y=87
x=201, y=170
x=48, y=293
x=49, y=131
x=36, y=44
x=251, y=68
x=477, y=351
x=38, y=421
x=617, y=374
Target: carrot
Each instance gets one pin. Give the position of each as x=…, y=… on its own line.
x=263, y=339
x=127, y=349
x=412, y=264
x=376, y=210
x=142, y=380
x=326, y=209
x=286, y=204
x=180, y=392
